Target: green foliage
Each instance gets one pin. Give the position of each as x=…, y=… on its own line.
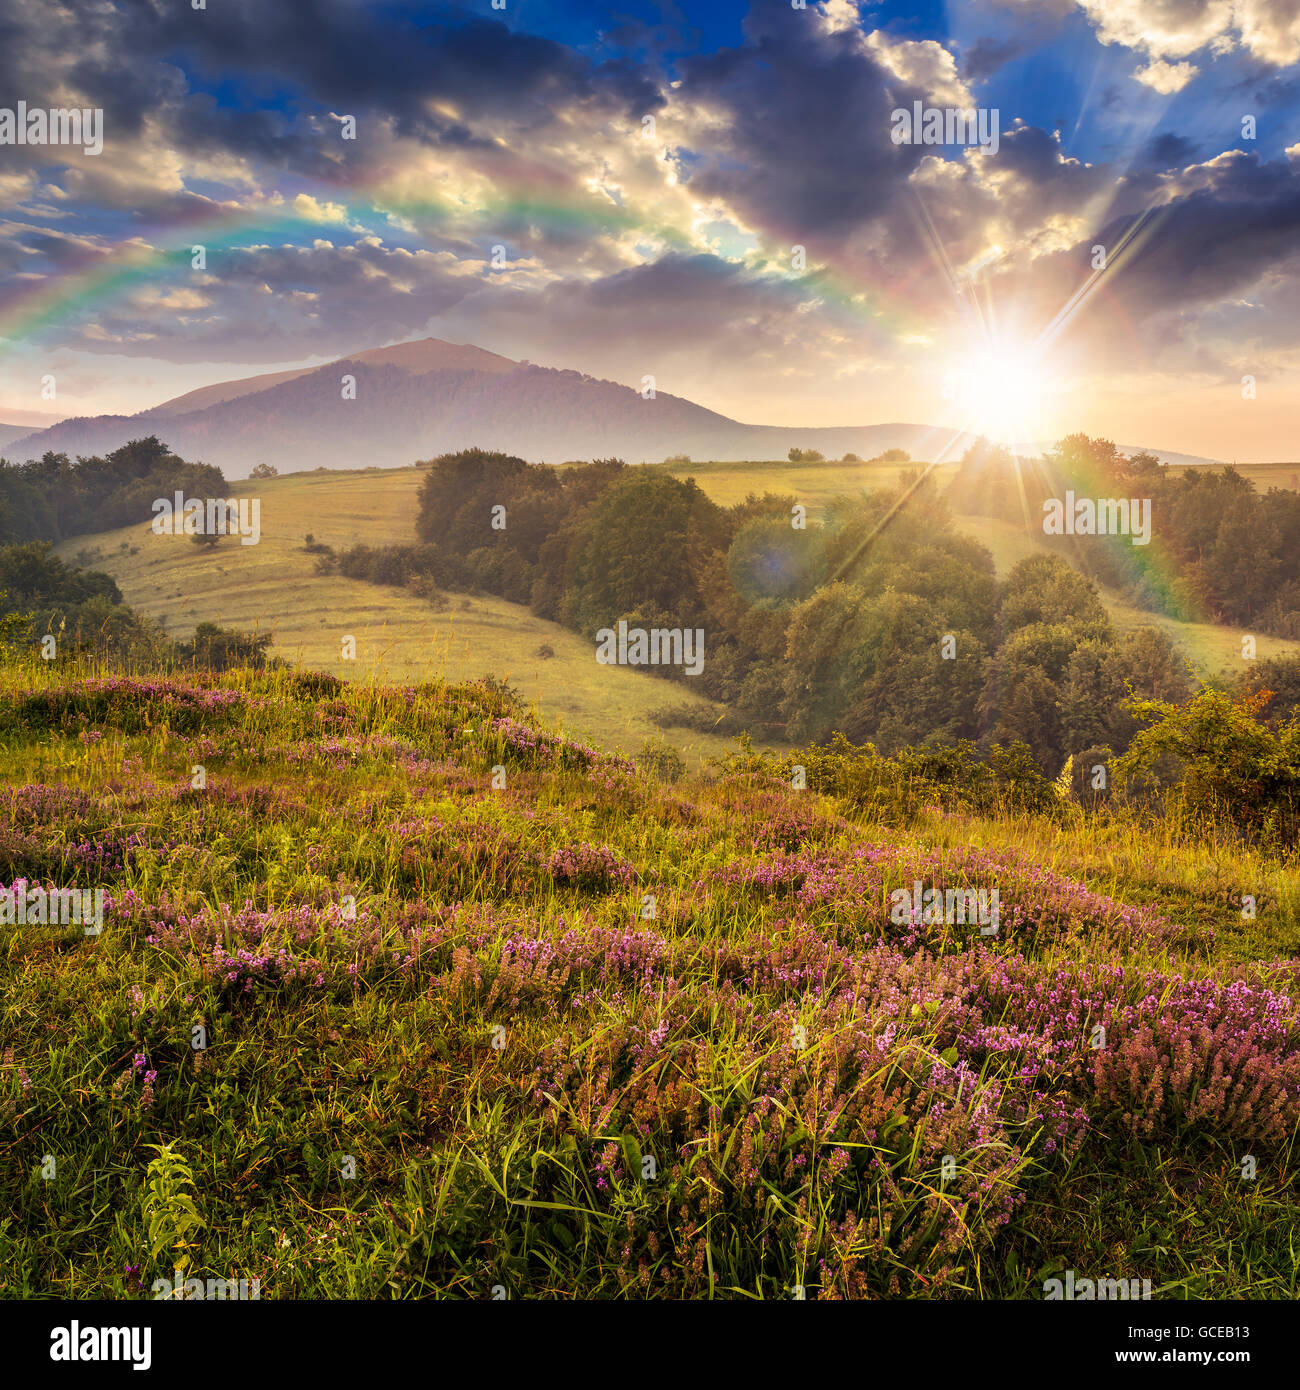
x=955, y=776
x=659, y=760
x=771, y=562
x=53, y=498
x=221, y=649
x=651, y=546
x=1045, y=589
x=84, y=606
x=1213, y=758
x=12, y=626
x=171, y=1215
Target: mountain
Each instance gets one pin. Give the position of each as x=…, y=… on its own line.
x=8, y=433
x=20, y=423
x=415, y=400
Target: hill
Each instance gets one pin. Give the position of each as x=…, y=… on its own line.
x=423, y=1002
x=273, y=587
x=418, y=399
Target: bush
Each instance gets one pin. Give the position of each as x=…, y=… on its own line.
x=660, y=760
x=1228, y=768
x=220, y=649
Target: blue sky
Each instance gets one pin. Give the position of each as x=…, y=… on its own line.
x=705, y=192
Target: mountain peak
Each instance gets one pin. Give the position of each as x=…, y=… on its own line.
x=435, y=355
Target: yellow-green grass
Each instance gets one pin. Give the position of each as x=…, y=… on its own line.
x=273, y=587
x=812, y=484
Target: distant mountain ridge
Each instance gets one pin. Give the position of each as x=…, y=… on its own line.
x=415, y=400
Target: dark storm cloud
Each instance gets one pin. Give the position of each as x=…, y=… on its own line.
x=806, y=151
x=391, y=58
x=987, y=55
x=1170, y=151
x=1217, y=240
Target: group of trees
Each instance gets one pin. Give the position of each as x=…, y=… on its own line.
x=53, y=497
x=43, y=502
x=85, y=612
x=1219, y=550
x=880, y=622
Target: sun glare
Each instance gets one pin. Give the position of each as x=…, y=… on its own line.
x=1002, y=393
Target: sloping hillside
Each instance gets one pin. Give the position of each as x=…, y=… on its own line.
x=273, y=587
x=428, y=1003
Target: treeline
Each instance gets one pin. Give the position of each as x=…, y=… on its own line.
x=1218, y=551
x=1210, y=762
x=882, y=623
x=85, y=613
x=53, y=497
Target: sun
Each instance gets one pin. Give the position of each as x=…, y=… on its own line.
x=1005, y=393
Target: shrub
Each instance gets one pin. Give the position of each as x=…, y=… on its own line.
x=660, y=760
x=1228, y=768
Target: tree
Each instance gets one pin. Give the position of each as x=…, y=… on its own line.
x=1228, y=767
x=650, y=545
x=264, y=470
x=220, y=649
x=1045, y=589
x=12, y=626
x=770, y=561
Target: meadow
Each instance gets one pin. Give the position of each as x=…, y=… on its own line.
x=400, y=994
x=273, y=586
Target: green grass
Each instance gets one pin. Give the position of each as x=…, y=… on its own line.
x=521, y=1165
x=273, y=587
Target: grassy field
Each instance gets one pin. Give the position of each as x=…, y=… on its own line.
x=404, y=998
x=273, y=587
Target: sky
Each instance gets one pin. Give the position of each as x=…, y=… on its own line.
x=710, y=193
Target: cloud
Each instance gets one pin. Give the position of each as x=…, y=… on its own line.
x=1268, y=30
x=1166, y=78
